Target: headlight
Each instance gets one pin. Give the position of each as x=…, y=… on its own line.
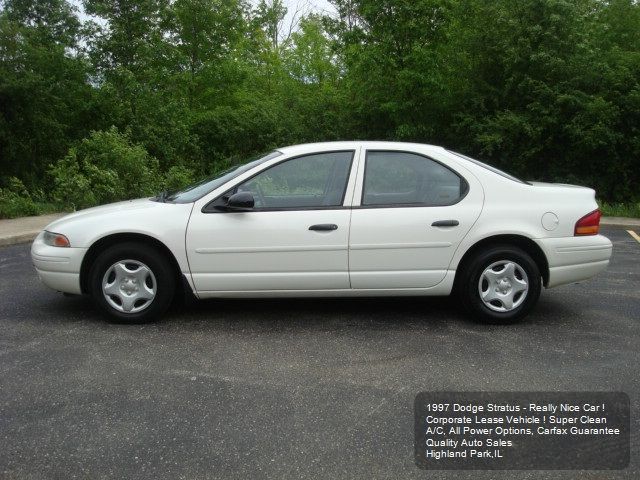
x=55, y=239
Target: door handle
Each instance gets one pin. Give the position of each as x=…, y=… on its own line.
x=324, y=227
x=445, y=223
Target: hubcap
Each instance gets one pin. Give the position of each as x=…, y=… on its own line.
x=129, y=286
x=503, y=286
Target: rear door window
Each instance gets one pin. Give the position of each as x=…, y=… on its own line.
x=403, y=178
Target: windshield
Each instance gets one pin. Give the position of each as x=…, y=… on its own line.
x=489, y=167
x=200, y=189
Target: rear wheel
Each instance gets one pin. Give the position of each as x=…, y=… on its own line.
x=500, y=285
x=132, y=282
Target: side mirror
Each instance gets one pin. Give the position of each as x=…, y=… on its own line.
x=240, y=201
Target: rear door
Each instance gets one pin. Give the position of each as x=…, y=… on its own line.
x=409, y=216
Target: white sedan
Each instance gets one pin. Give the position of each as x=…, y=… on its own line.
x=333, y=219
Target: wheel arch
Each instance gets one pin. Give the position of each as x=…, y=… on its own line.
x=521, y=241
x=107, y=241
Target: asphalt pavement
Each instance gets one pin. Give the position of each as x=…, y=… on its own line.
x=284, y=388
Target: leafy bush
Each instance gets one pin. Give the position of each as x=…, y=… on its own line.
x=15, y=200
x=103, y=168
x=178, y=177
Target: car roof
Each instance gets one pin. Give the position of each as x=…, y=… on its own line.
x=349, y=145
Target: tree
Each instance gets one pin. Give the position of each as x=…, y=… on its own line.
x=44, y=97
x=547, y=89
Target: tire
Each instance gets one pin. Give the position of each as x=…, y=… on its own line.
x=500, y=285
x=140, y=279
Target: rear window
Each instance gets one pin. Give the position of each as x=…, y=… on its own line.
x=490, y=168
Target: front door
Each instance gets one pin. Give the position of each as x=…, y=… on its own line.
x=295, y=237
x=414, y=212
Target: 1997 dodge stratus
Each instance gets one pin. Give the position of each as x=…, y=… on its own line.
x=333, y=219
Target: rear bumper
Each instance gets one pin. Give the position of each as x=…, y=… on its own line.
x=572, y=259
x=58, y=268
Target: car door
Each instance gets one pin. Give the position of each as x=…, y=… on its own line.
x=294, y=238
x=413, y=213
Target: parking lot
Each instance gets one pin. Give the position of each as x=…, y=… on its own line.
x=285, y=388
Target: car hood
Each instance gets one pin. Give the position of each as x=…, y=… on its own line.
x=88, y=213
x=143, y=215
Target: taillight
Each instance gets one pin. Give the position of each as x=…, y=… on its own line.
x=589, y=224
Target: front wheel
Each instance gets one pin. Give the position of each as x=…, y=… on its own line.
x=500, y=285
x=132, y=282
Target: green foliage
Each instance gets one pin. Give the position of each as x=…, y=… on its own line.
x=105, y=167
x=16, y=201
x=631, y=210
x=546, y=89
x=178, y=177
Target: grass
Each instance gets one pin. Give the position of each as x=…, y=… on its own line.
x=620, y=209
x=15, y=209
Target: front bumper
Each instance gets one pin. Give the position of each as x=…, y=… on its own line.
x=57, y=267
x=572, y=259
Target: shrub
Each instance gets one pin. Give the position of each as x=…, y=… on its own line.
x=15, y=200
x=103, y=168
x=178, y=177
